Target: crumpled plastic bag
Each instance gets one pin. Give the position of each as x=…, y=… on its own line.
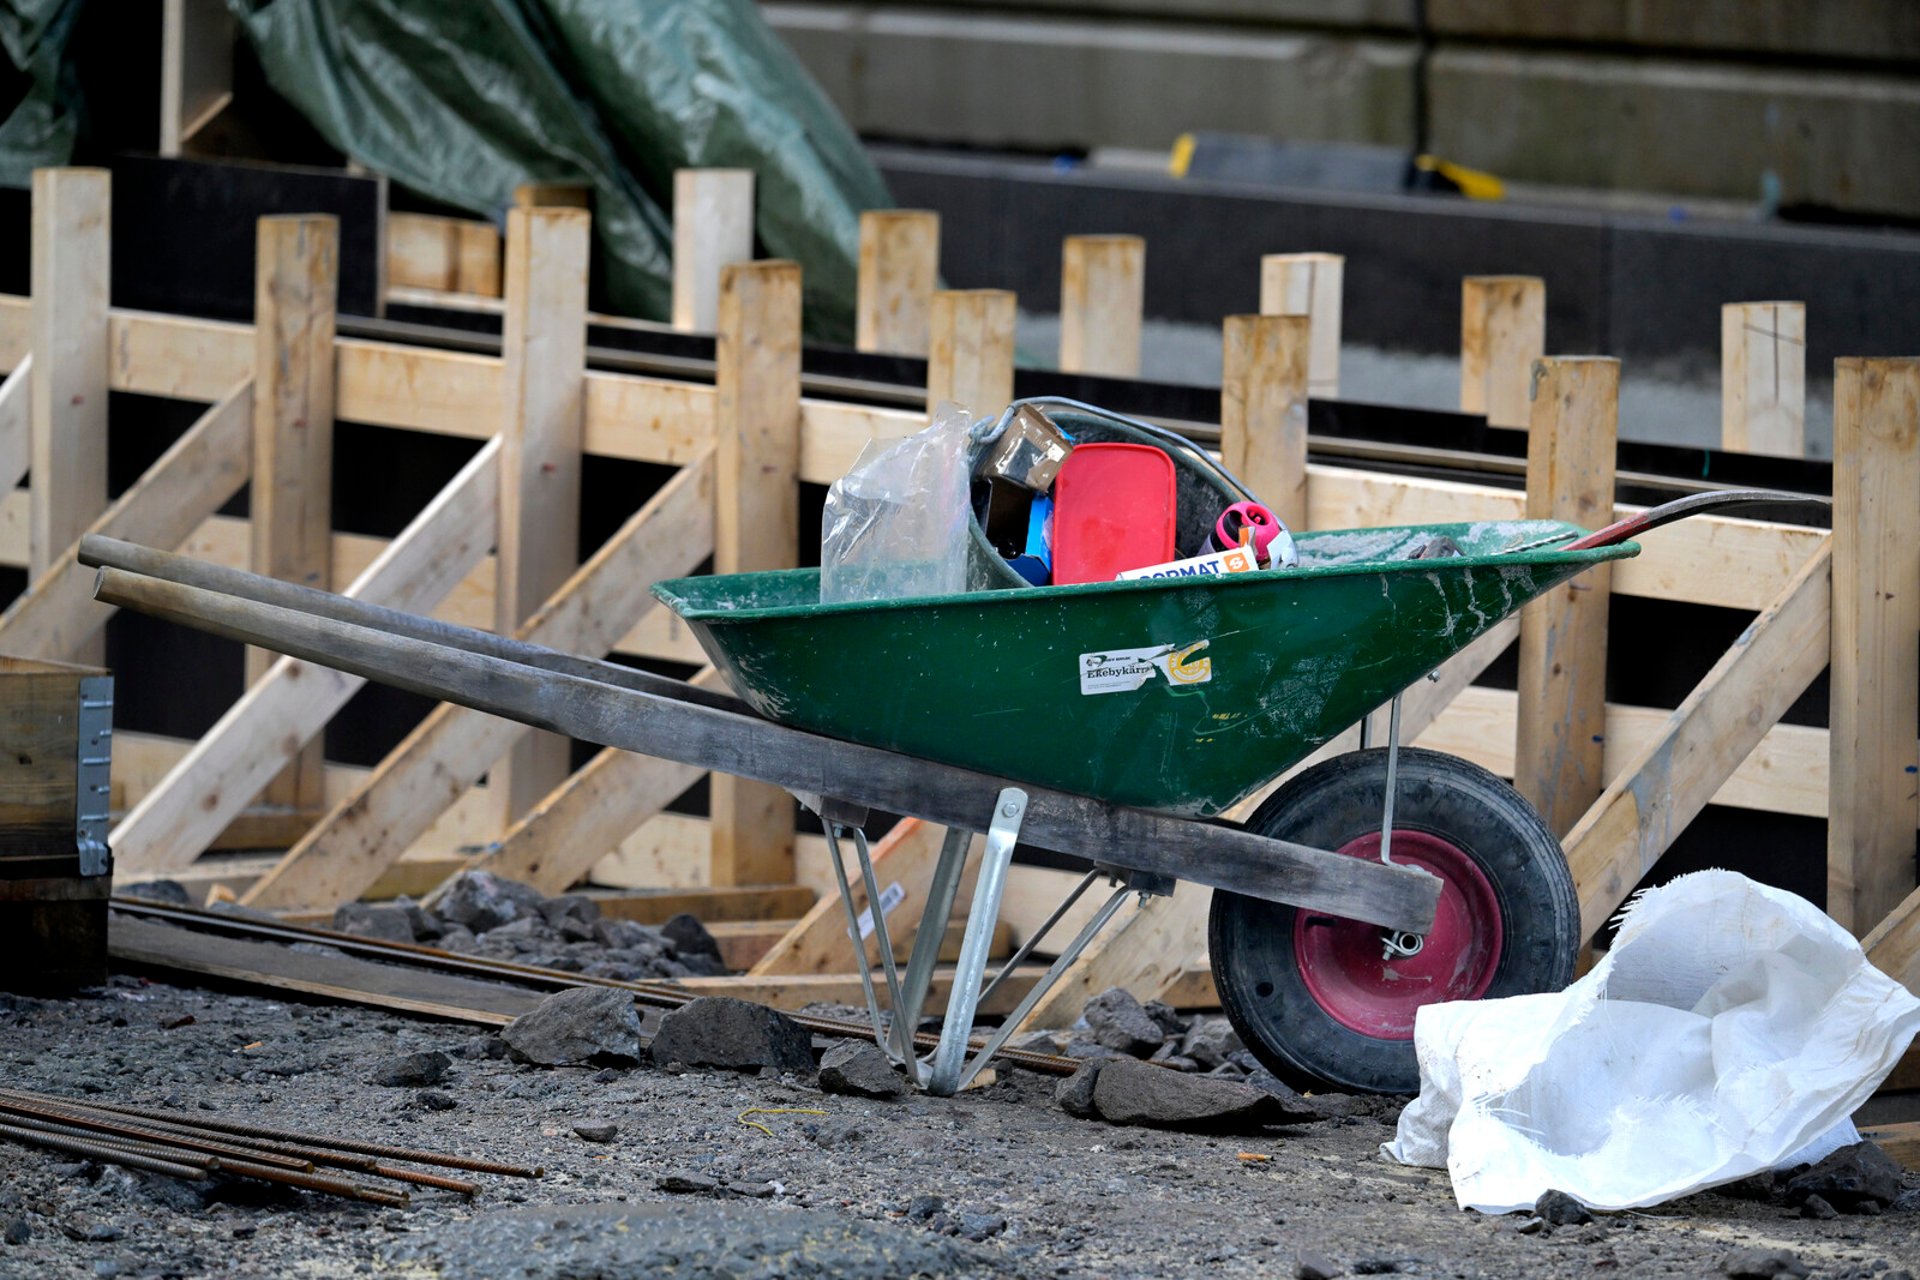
x=897, y=524
x=1732, y=1028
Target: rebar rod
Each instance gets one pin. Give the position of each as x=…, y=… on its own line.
x=111, y=1153
x=75, y=1114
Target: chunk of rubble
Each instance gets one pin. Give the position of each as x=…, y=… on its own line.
x=580, y=1024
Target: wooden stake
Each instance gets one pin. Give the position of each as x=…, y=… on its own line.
x=543, y=369
x=1503, y=330
x=1677, y=773
x=1103, y=282
x=1263, y=410
x=712, y=229
x=970, y=351
x=1563, y=634
x=899, y=271
x=296, y=281
x=1763, y=377
x=1308, y=284
x=1875, y=678
x=71, y=254
x=756, y=519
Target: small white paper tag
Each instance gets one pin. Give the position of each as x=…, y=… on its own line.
x=890, y=897
x=1124, y=670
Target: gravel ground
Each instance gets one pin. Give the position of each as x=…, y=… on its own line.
x=996, y=1182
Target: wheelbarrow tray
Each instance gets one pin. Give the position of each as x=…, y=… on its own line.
x=1177, y=695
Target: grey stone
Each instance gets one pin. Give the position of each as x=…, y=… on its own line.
x=482, y=901
x=1118, y=1022
x=1209, y=1041
x=1089, y=1051
x=1308, y=1265
x=17, y=1232
x=1166, y=1017
x=370, y=920
x=597, y=1132
x=981, y=1226
x=1533, y=1225
x=1817, y=1208
x=745, y=1239
x=427, y=927
x=1074, y=1095
x=698, y=1184
x=719, y=1031
x=457, y=938
x=920, y=1208
x=689, y=937
x=168, y=891
x=433, y=1100
x=1850, y=1179
x=1561, y=1209
x=411, y=1070
x=488, y=1048
x=859, y=1068
x=580, y=1024
x=1133, y=1092
x=577, y=907
x=627, y=935
x=1761, y=1264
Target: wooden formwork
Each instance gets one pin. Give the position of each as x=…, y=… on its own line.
x=1619, y=781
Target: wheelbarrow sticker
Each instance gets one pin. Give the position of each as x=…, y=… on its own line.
x=1124, y=670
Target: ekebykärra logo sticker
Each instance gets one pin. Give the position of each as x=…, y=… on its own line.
x=1124, y=670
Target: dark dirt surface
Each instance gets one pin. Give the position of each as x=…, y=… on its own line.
x=995, y=1182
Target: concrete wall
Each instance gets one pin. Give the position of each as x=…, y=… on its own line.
x=1817, y=102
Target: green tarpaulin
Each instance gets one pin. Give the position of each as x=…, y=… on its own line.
x=464, y=101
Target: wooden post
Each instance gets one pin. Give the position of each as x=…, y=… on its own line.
x=1763, y=377
x=1263, y=409
x=1503, y=330
x=1875, y=676
x=1563, y=634
x=68, y=382
x=296, y=281
x=756, y=519
x=543, y=379
x=899, y=271
x=1308, y=284
x=1103, y=282
x=712, y=228
x=553, y=195
x=970, y=350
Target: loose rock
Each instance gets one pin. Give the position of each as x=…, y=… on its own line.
x=1131, y=1092
x=1762, y=1264
x=411, y=1070
x=1561, y=1209
x=1308, y=1265
x=1850, y=1179
x=1074, y=1095
x=482, y=901
x=367, y=920
x=689, y=937
x=1817, y=1208
x=698, y=1184
x=719, y=1031
x=981, y=1226
x=1118, y=1022
x=597, y=1132
x=859, y=1068
x=1209, y=1041
x=580, y=1024
x=17, y=1232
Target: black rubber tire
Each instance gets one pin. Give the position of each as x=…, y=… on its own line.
x=1251, y=941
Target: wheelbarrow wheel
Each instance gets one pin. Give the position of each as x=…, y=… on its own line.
x=1319, y=999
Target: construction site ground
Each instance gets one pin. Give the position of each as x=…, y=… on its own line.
x=997, y=1181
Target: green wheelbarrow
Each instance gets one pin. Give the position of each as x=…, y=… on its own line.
x=1112, y=722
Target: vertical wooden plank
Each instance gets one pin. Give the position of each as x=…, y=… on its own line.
x=1563, y=634
x=1503, y=330
x=1308, y=284
x=196, y=68
x=712, y=228
x=756, y=519
x=1875, y=676
x=476, y=258
x=543, y=380
x=970, y=350
x=1263, y=409
x=553, y=195
x=71, y=241
x=899, y=271
x=1763, y=377
x=296, y=282
x=1103, y=281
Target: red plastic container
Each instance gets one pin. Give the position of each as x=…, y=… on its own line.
x=1113, y=510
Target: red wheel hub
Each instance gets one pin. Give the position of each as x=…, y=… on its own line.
x=1342, y=961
